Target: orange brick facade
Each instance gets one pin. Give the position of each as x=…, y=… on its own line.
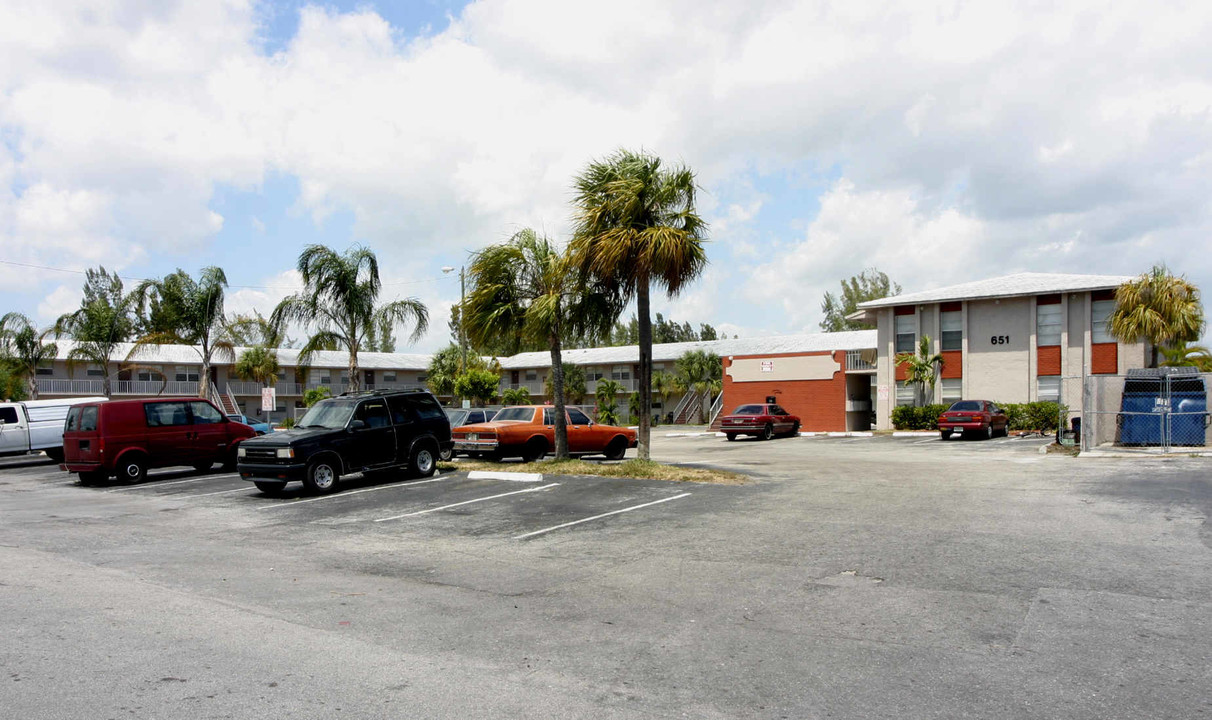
x=1048, y=360
x=820, y=404
x=1104, y=358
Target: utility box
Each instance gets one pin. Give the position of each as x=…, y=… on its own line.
x=1163, y=407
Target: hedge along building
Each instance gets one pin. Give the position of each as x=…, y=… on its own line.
x=1013, y=339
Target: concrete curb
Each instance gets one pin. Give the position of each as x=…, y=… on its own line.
x=512, y=476
x=1141, y=455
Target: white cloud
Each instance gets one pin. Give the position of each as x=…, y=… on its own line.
x=61, y=300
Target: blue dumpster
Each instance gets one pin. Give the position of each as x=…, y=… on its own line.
x=1163, y=406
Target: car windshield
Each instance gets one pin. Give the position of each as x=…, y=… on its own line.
x=516, y=413
x=457, y=417
x=750, y=410
x=967, y=405
x=332, y=414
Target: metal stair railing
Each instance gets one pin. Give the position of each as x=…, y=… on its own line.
x=716, y=408
x=680, y=408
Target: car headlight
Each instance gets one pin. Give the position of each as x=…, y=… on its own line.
x=286, y=453
x=241, y=452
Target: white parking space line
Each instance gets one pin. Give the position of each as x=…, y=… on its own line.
x=153, y=485
x=221, y=492
x=338, y=496
x=923, y=442
x=467, y=502
x=599, y=517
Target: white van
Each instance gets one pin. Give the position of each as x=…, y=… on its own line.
x=34, y=425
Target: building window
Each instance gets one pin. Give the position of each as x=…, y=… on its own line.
x=620, y=372
x=44, y=371
x=905, y=392
x=532, y=375
x=906, y=333
x=326, y=379
x=389, y=377
x=593, y=374
x=186, y=374
x=952, y=390
x=422, y=378
x=1048, y=389
x=1048, y=325
x=951, y=331
x=149, y=373
x=95, y=371
x=1100, y=328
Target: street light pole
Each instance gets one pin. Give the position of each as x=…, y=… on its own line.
x=462, y=299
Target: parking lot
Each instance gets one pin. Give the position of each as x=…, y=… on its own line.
x=850, y=577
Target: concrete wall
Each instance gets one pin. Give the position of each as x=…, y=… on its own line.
x=999, y=337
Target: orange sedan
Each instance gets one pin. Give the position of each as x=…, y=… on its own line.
x=528, y=432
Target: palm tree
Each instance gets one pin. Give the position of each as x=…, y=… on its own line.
x=339, y=300
x=574, y=384
x=105, y=320
x=259, y=364
x=608, y=400
x=526, y=288
x=664, y=384
x=1183, y=355
x=194, y=312
x=1158, y=307
x=922, y=367
x=701, y=372
x=23, y=349
x=515, y=396
x=636, y=226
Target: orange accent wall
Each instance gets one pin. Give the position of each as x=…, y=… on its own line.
x=1104, y=358
x=953, y=364
x=1048, y=360
x=820, y=404
x=902, y=370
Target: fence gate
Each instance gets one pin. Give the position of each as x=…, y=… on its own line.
x=1152, y=410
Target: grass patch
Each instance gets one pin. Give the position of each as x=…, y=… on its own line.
x=639, y=469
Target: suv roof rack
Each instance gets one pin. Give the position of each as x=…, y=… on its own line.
x=373, y=393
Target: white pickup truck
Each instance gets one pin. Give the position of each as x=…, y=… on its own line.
x=36, y=425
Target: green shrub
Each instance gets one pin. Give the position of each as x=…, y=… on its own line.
x=908, y=417
x=1035, y=416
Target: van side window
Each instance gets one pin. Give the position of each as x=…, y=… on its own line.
x=8, y=415
x=374, y=414
x=205, y=413
x=88, y=419
x=426, y=407
x=400, y=412
x=73, y=420
x=166, y=414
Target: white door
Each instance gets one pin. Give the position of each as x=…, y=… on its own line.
x=14, y=430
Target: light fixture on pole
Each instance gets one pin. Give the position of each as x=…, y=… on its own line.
x=462, y=335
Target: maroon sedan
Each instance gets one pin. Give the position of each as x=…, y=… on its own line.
x=973, y=417
x=760, y=421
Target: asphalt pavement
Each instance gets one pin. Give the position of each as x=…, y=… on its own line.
x=850, y=578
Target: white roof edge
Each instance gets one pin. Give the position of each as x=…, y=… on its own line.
x=1017, y=285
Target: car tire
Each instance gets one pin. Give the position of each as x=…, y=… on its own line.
x=322, y=476
x=616, y=449
x=203, y=466
x=270, y=488
x=767, y=432
x=93, y=477
x=945, y=435
x=446, y=455
x=133, y=469
x=730, y=436
x=795, y=430
x=423, y=460
x=534, y=450
x=55, y=454
x=989, y=432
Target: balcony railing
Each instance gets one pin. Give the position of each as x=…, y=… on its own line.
x=252, y=388
x=856, y=363
x=57, y=386
x=66, y=386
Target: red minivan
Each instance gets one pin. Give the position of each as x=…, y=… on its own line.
x=126, y=437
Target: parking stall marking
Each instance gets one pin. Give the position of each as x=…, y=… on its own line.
x=152, y=484
x=337, y=496
x=467, y=502
x=599, y=517
x=221, y=492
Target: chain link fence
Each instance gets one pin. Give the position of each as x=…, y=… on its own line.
x=1155, y=411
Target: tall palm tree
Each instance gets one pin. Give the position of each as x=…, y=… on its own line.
x=193, y=312
x=526, y=288
x=1158, y=307
x=701, y=372
x=922, y=368
x=574, y=384
x=339, y=300
x=24, y=349
x=105, y=320
x=607, y=395
x=258, y=364
x=665, y=384
x=635, y=227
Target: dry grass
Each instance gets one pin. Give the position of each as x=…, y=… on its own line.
x=639, y=469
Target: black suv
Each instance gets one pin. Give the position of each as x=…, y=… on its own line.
x=354, y=432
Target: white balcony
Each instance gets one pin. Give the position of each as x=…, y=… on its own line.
x=96, y=386
x=855, y=361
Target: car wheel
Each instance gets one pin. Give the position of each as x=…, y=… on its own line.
x=795, y=430
x=55, y=454
x=133, y=469
x=423, y=461
x=989, y=432
x=616, y=449
x=94, y=477
x=730, y=436
x=322, y=476
x=203, y=466
x=270, y=488
x=534, y=450
x=767, y=432
x=945, y=434
x=446, y=455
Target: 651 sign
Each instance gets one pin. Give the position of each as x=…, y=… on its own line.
x=999, y=340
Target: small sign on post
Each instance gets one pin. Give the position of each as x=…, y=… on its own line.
x=269, y=399
x=882, y=392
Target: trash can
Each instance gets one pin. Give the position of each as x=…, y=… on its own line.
x=1163, y=406
x=1188, y=411
x=1141, y=419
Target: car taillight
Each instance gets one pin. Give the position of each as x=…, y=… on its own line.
x=488, y=436
x=458, y=435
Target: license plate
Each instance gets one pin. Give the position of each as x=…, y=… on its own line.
x=473, y=436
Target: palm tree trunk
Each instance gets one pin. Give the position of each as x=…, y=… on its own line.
x=204, y=377
x=354, y=384
x=32, y=381
x=1153, y=355
x=557, y=391
x=644, y=435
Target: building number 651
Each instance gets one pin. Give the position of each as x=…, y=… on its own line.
x=999, y=339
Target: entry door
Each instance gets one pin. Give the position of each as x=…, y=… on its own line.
x=210, y=431
x=375, y=442
x=14, y=431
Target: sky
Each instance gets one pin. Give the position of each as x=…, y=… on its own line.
x=940, y=142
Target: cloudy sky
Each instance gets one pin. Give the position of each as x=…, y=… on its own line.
x=939, y=141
